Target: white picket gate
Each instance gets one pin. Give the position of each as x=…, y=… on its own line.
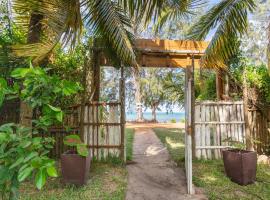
x=216, y=122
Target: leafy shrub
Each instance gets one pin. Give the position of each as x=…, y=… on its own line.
x=75, y=141
x=173, y=120
x=23, y=156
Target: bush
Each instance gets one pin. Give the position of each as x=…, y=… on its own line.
x=173, y=120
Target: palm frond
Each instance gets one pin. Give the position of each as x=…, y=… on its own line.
x=61, y=21
x=178, y=10
x=230, y=18
x=110, y=21
x=147, y=10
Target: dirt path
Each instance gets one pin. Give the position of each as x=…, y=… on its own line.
x=154, y=176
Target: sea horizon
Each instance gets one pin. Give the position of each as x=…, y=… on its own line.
x=161, y=116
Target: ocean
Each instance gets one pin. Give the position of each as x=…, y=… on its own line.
x=161, y=116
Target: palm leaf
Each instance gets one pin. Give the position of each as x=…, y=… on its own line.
x=178, y=10
x=108, y=19
x=61, y=21
x=230, y=18
x=146, y=9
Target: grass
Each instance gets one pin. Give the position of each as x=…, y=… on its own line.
x=129, y=143
x=210, y=176
x=108, y=181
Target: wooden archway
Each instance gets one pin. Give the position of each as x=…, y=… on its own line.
x=168, y=54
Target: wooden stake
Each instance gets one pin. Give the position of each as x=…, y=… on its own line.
x=122, y=116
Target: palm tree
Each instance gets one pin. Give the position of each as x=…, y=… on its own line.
x=228, y=19
x=48, y=22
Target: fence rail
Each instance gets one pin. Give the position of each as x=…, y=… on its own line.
x=101, y=129
x=218, y=121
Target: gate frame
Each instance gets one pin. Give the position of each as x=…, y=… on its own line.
x=168, y=54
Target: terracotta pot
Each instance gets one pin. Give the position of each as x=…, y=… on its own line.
x=75, y=168
x=240, y=166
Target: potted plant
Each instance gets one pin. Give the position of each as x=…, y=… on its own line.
x=240, y=165
x=75, y=163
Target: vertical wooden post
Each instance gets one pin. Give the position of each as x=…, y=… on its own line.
x=193, y=107
x=189, y=122
x=123, y=114
x=83, y=99
x=248, y=138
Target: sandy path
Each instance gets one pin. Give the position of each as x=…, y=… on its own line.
x=155, y=125
x=154, y=176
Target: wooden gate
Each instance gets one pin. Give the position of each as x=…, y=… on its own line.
x=216, y=122
x=103, y=129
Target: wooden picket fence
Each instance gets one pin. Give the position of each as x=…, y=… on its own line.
x=102, y=129
x=216, y=122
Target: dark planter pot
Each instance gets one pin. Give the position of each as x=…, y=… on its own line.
x=240, y=166
x=75, y=168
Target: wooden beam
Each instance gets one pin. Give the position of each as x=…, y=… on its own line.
x=171, y=45
x=166, y=53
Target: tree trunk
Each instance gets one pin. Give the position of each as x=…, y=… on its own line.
x=219, y=84
x=154, y=114
x=96, y=74
x=35, y=28
x=138, y=98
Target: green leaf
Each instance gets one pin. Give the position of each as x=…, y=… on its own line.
x=59, y=116
x=18, y=162
x=40, y=179
x=7, y=128
x=30, y=156
x=3, y=84
x=4, y=174
x=19, y=72
x=23, y=174
x=72, y=140
x=3, y=137
x=55, y=109
x=52, y=171
x=25, y=144
x=82, y=150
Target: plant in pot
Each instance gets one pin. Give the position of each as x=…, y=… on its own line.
x=75, y=163
x=240, y=165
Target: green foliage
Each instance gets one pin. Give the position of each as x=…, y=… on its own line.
x=23, y=157
x=41, y=90
x=229, y=19
x=234, y=143
x=205, y=87
x=174, y=85
x=258, y=76
x=75, y=141
x=173, y=120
